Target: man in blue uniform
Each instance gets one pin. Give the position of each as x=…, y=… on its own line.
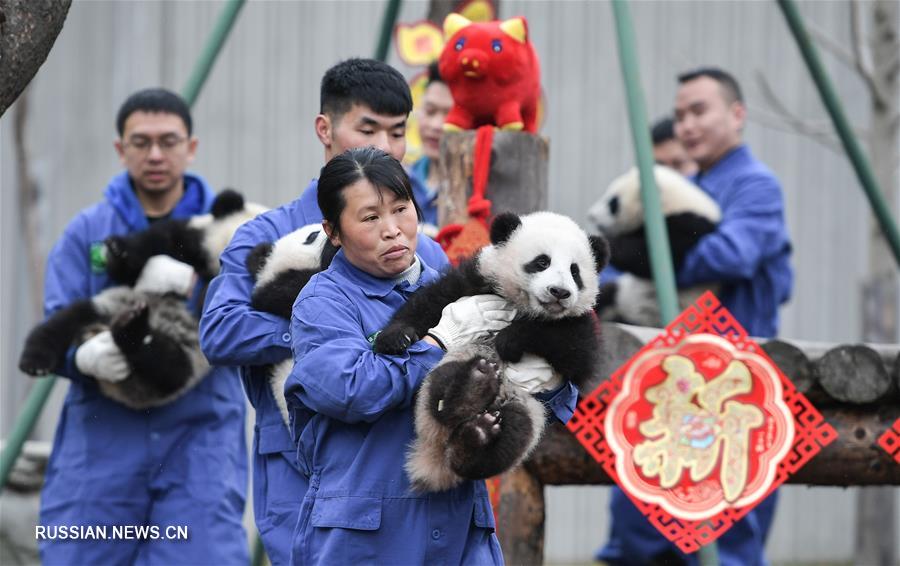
x=749, y=254
x=182, y=464
x=363, y=102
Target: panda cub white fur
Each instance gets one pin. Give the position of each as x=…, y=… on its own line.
x=471, y=421
x=280, y=270
x=156, y=332
x=619, y=214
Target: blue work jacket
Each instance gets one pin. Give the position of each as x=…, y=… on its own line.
x=243, y=341
x=352, y=419
x=105, y=454
x=749, y=252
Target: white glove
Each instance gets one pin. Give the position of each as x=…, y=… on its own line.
x=533, y=374
x=163, y=274
x=472, y=317
x=99, y=357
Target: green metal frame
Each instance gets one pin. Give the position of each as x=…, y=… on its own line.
x=658, y=237
x=387, y=29
x=842, y=125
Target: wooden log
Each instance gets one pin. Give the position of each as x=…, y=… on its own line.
x=792, y=362
x=854, y=374
x=853, y=459
x=517, y=181
x=521, y=520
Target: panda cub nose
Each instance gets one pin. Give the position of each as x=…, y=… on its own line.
x=559, y=293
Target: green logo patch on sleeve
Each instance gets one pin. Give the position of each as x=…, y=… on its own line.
x=98, y=257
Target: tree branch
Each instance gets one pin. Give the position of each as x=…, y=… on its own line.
x=861, y=63
x=781, y=118
x=830, y=44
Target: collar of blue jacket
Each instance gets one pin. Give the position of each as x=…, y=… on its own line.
x=377, y=287
x=198, y=198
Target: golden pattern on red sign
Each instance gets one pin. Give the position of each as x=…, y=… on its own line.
x=699, y=426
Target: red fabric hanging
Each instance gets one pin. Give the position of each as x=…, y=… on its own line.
x=461, y=241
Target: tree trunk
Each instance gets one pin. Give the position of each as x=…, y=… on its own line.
x=28, y=29
x=517, y=180
x=875, y=525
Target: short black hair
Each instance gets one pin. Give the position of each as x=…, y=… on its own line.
x=729, y=84
x=154, y=100
x=364, y=81
x=663, y=130
x=374, y=165
x=434, y=74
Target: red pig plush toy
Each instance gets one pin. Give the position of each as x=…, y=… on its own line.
x=493, y=73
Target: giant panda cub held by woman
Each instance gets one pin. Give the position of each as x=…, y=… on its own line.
x=471, y=421
x=689, y=214
x=280, y=270
x=155, y=332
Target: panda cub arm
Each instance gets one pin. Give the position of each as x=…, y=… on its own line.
x=570, y=345
x=423, y=309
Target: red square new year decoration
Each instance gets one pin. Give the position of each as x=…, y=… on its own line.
x=890, y=441
x=699, y=426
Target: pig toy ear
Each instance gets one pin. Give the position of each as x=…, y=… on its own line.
x=453, y=23
x=516, y=28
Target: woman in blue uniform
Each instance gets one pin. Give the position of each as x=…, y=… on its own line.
x=352, y=409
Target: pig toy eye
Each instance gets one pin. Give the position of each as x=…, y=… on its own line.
x=459, y=44
x=496, y=46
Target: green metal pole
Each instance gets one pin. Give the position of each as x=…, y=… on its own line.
x=387, y=29
x=39, y=393
x=211, y=50
x=34, y=404
x=660, y=252
x=836, y=111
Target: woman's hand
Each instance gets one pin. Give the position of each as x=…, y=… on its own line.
x=468, y=318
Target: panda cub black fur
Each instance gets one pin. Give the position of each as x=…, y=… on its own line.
x=689, y=213
x=280, y=270
x=156, y=332
x=471, y=421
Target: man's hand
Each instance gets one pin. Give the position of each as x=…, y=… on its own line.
x=163, y=274
x=99, y=357
x=533, y=374
x=471, y=317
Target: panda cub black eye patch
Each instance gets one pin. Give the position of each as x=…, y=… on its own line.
x=576, y=275
x=538, y=264
x=311, y=238
x=614, y=206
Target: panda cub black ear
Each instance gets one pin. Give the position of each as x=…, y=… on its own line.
x=600, y=248
x=227, y=202
x=503, y=227
x=257, y=258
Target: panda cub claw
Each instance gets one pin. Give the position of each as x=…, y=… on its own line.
x=482, y=430
x=395, y=340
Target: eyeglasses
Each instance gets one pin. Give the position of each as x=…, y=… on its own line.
x=141, y=145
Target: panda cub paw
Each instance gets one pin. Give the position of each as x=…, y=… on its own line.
x=395, y=339
x=38, y=359
x=130, y=328
x=482, y=430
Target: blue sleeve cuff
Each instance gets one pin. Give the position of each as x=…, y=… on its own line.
x=561, y=401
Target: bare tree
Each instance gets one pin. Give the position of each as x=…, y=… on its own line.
x=874, y=56
x=28, y=29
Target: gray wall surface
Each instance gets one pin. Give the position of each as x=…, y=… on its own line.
x=255, y=116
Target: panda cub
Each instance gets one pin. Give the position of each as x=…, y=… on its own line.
x=156, y=332
x=689, y=213
x=280, y=270
x=471, y=422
